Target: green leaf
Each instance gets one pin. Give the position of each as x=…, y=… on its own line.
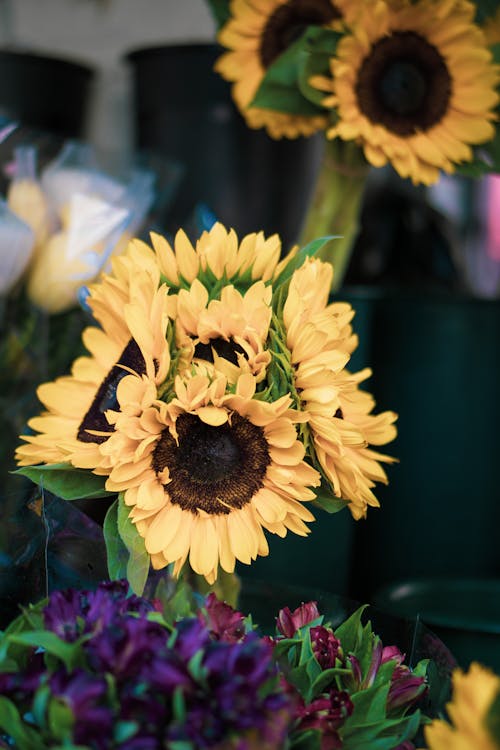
x=139, y=560
x=117, y=553
x=308, y=740
x=65, y=481
x=10, y=722
x=350, y=631
x=308, y=251
x=51, y=643
x=124, y=730
x=330, y=503
x=60, y=720
x=493, y=719
x=370, y=704
x=486, y=157
x=320, y=46
x=279, y=89
x=220, y=11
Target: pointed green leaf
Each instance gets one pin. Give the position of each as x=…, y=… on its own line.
x=320, y=46
x=51, y=643
x=60, y=720
x=279, y=89
x=350, y=631
x=117, y=553
x=65, y=481
x=308, y=251
x=11, y=723
x=330, y=503
x=139, y=560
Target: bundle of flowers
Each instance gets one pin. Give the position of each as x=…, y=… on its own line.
x=215, y=402
x=66, y=222
x=412, y=84
x=104, y=669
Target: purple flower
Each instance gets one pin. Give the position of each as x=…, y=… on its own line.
x=327, y=714
x=126, y=648
x=406, y=688
x=326, y=648
x=223, y=622
x=20, y=686
x=192, y=636
x=85, y=695
x=62, y=612
x=235, y=698
x=289, y=622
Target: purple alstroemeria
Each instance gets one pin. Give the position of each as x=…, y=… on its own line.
x=126, y=648
x=85, y=695
x=233, y=701
x=406, y=688
x=223, y=622
x=289, y=622
x=327, y=714
x=20, y=686
x=62, y=613
x=192, y=636
x=326, y=648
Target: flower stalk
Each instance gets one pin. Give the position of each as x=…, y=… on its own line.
x=336, y=205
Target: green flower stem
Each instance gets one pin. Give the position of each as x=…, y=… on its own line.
x=336, y=204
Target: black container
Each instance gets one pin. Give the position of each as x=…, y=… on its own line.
x=184, y=111
x=46, y=93
x=436, y=362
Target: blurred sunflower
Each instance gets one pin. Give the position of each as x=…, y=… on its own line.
x=474, y=693
x=131, y=309
x=229, y=332
x=208, y=472
x=256, y=34
x=218, y=255
x=320, y=340
x=414, y=84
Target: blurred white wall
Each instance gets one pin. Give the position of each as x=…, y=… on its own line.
x=99, y=33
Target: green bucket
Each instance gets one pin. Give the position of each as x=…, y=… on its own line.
x=463, y=612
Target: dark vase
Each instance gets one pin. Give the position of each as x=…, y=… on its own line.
x=435, y=362
x=46, y=93
x=184, y=111
x=463, y=612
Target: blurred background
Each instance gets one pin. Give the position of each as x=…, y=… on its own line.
x=134, y=81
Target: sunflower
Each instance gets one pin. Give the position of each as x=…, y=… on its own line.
x=219, y=256
x=255, y=35
x=230, y=332
x=206, y=473
x=414, y=84
x=473, y=697
x=340, y=423
x=131, y=308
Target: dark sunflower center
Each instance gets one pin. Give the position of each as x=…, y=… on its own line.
x=404, y=84
x=105, y=397
x=216, y=469
x=226, y=349
x=289, y=21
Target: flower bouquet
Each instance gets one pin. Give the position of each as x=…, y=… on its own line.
x=413, y=84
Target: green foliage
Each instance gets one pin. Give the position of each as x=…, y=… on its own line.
x=65, y=481
x=280, y=90
x=485, y=9
x=126, y=552
x=493, y=719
